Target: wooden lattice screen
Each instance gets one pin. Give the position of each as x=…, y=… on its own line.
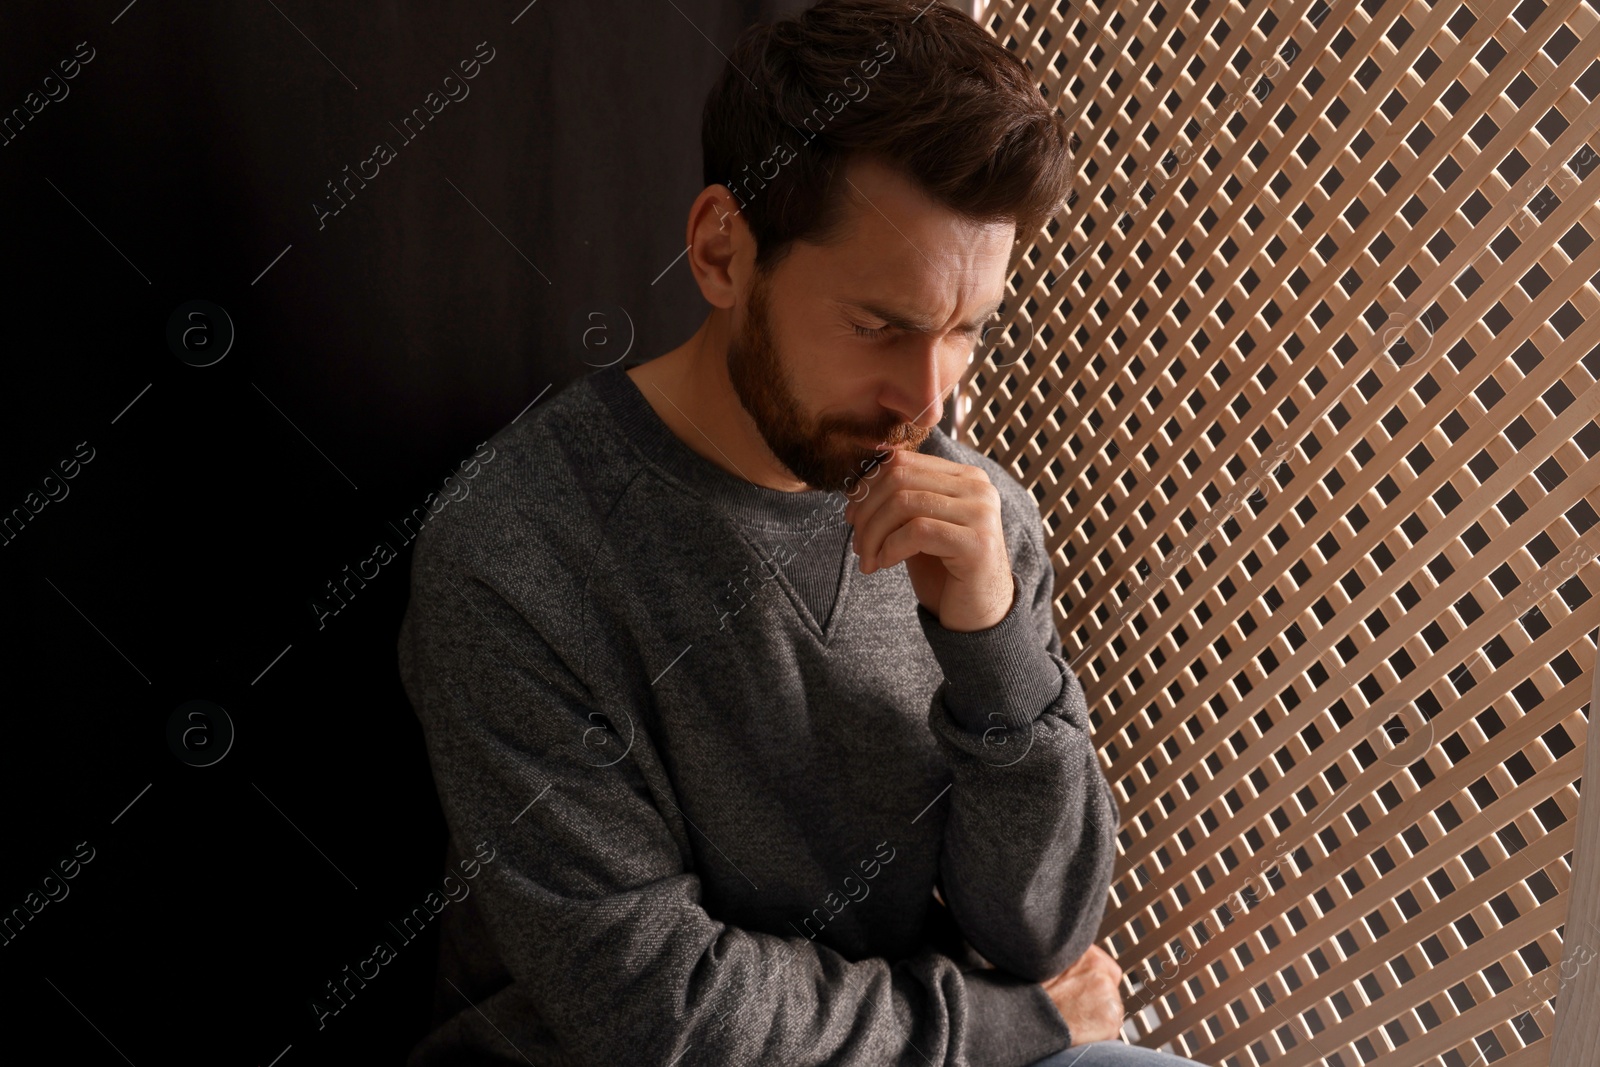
x=1302, y=377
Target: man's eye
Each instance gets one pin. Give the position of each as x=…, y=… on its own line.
x=879, y=332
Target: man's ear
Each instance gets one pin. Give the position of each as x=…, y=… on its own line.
x=720, y=245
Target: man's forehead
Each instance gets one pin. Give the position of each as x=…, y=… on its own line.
x=943, y=245
x=907, y=315
x=905, y=288
x=942, y=257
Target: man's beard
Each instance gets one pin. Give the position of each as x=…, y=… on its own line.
x=828, y=453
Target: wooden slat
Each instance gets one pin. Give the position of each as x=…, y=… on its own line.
x=1303, y=377
x=1577, y=1017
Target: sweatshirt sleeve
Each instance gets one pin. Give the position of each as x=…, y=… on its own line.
x=1030, y=838
x=592, y=900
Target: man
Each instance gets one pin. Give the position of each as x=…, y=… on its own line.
x=746, y=672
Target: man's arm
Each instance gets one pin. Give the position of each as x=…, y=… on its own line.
x=1030, y=840
x=592, y=900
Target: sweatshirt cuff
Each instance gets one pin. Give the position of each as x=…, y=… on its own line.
x=1005, y=668
x=1011, y=1022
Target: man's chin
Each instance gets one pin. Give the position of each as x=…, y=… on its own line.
x=852, y=460
x=863, y=445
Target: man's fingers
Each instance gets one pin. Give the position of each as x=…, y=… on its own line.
x=1103, y=957
x=937, y=524
x=903, y=469
x=1093, y=957
x=901, y=504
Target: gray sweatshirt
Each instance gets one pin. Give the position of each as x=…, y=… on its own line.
x=723, y=833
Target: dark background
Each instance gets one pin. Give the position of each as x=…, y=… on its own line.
x=369, y=359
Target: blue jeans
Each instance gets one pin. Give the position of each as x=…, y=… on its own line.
x=1112, y=1054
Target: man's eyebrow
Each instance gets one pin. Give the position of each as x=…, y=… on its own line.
x=901, y=321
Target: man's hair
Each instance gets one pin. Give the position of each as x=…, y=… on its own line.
x=913, y=83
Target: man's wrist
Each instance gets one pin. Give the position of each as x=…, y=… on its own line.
x=1002, y=669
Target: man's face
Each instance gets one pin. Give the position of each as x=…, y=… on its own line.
x=819, y=391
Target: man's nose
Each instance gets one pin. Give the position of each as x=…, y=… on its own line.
x=927, y=385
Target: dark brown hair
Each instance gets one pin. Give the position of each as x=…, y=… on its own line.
x=914, y=83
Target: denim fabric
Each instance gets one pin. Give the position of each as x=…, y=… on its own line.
x=1112, y=1054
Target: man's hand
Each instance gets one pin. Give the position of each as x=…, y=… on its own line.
x=943, y=519
x=1088, y=998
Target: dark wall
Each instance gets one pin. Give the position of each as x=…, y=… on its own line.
x=209, y=506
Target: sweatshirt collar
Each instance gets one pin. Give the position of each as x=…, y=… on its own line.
x=751, y=504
